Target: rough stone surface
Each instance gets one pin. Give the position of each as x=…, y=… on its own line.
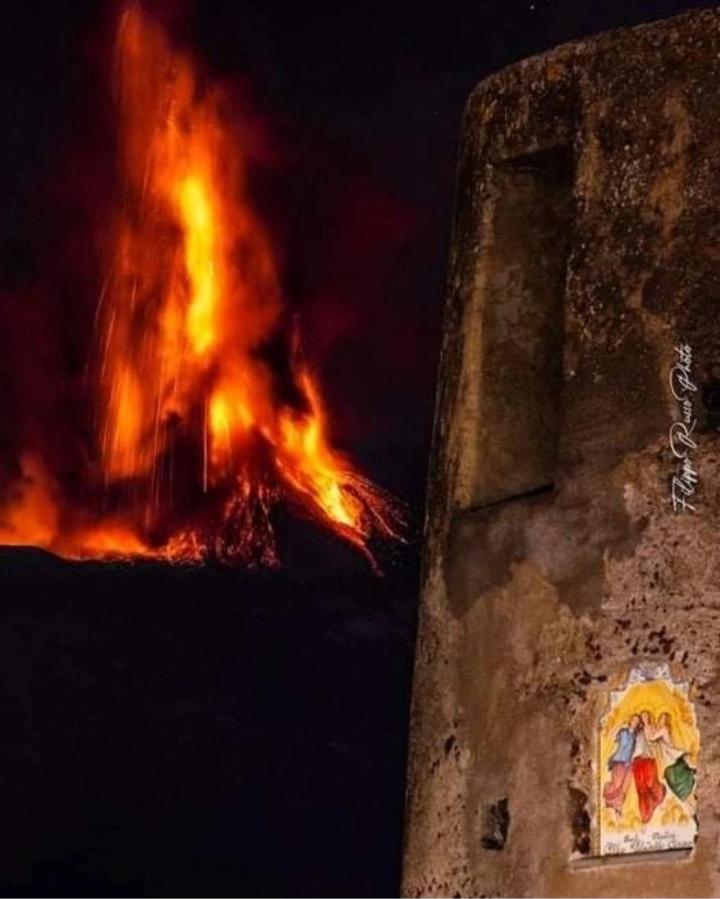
x=532, y=604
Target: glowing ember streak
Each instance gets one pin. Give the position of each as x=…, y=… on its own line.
x=200, y=252
x=199, y=435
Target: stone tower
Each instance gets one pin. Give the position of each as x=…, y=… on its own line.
x=565, y=730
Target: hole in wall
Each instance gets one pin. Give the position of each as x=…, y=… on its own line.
x=496, y=821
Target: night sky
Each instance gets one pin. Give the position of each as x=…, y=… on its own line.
x=212, y=731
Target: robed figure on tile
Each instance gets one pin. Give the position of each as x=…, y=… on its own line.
x=648, y=751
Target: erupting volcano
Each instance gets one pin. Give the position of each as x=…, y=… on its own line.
x=206, y=416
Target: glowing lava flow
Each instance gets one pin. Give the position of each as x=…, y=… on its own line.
x=200, y=432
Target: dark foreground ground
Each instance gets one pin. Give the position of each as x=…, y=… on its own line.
x=170, y=731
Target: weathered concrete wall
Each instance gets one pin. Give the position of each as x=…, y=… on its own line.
x=533, y=601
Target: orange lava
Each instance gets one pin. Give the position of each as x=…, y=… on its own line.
x=199, y=436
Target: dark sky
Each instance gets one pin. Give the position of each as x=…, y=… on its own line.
x=362, y=104
x=210, y=732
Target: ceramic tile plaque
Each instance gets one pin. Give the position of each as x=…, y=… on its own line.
x=648, y=752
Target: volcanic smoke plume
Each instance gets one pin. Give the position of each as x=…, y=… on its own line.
x=205, y=416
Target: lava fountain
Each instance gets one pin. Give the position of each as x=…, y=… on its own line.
x=206, y=416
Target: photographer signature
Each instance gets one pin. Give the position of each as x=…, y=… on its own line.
x=684, y=482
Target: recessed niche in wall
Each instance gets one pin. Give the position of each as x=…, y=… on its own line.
x=513, y=408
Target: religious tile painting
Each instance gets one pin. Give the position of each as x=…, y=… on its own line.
x=648, y=752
